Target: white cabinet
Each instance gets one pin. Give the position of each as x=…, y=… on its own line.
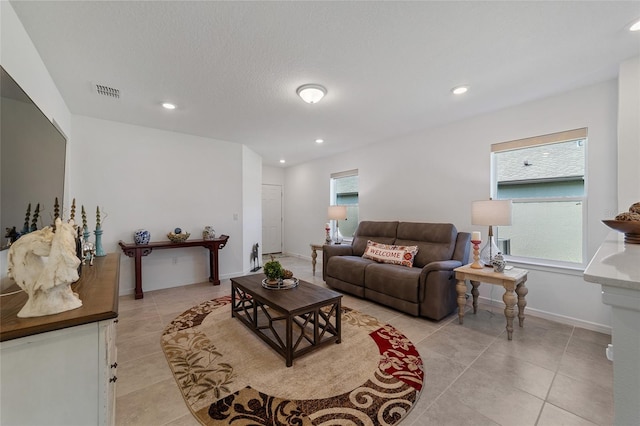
x=616, y=267
x=61, y=369
x=61, y=377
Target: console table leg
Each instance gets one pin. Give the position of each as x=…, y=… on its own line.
x=213, y=267
x=138, y=265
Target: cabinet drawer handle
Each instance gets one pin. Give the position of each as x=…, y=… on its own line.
x=115, y=321
x=113, y=379
x=114, y=365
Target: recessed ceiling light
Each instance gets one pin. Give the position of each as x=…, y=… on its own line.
x=167, y=105
x=311, y=93
x=460, y=90
x=635, y=26
x=319, y=140
x=282, y=161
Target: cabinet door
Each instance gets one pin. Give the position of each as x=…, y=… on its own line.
x=50, y=378
x=108, y=369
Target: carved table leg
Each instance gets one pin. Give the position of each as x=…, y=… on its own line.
x=461, y=288
x=474, y=293
x=522, y=291
x=214, y=276
x=314, y=256
x=138, y=268
x=509, y=299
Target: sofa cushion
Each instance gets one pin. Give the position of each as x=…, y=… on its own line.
x=349, y=269
x=435, y=241
x=392, y=254
x=393, y=280
x=380, y=232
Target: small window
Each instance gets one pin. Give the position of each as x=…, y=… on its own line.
x=545, y=178
x=344, y=192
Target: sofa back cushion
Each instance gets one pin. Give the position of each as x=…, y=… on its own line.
x=380, y=232
x=435, y=241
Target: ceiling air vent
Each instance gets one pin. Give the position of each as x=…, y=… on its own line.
x=107, y=91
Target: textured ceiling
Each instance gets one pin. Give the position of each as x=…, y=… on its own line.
x=233, y=68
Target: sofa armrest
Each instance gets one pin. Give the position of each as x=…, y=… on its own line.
x=437, y=293
x=329, y=251
x=443, y=265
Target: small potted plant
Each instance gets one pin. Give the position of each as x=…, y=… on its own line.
x=274, y=271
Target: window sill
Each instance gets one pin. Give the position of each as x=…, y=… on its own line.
x=547, y=266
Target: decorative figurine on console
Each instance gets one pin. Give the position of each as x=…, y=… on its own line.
x=12, y=235
x=47, y=283
x=255, y=258
x=88, y=252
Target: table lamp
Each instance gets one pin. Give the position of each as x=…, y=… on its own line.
x=490, y=213
x=337, y=213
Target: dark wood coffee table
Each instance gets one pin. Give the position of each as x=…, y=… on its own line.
x=294, y=321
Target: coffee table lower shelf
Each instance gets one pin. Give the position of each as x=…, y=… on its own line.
x=293, y=322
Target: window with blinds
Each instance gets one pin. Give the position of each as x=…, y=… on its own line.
x=546, y=179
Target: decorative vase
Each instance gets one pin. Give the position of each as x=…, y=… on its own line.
x=85, y=235
x=498, y=262
x=141, y=237
x=208, y=233
x=99, y=249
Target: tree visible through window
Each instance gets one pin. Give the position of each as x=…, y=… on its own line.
x=545, y=178
x=344, y=192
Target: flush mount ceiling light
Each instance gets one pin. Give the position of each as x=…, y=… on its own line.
x=282, y=161
x=635, y=26
x=168, y=105
x=311, y=93
x=459, y=90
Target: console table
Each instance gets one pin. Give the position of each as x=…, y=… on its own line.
x=138, y=250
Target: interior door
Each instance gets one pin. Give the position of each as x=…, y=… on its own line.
x=271, y=219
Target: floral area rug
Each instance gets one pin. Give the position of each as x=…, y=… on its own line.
x=228, y=375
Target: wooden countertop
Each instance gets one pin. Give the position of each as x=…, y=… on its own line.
x=97, y=287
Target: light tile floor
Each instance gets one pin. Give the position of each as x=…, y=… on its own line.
x=549, y=374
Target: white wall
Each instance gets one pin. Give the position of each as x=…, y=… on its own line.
x=629, y=134
x=272, y=175
x=20, y=58
x=251, y=204
x=159, y=180
x=434, y=175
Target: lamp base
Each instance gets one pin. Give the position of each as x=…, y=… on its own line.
x=488, y=252
x=337, y=237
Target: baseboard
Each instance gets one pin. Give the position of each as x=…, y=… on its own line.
x=128, y=291
x=562, y=319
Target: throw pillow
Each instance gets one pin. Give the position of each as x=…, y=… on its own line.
x=385, y=253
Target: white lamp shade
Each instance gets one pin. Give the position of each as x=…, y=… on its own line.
x=337, y=212
x=491, y=212
x=311, y=93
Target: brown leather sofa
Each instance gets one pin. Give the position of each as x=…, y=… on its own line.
x=427, y=289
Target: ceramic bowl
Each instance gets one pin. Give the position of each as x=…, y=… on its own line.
x=178, y=238
x=630, y=229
